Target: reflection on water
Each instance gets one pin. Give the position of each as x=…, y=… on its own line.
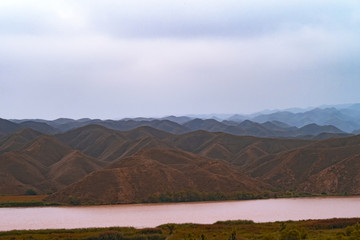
x=151, y=215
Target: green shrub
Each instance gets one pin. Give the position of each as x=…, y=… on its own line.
x=30, y=192
x=150, y=231
x=293, y=234
x=268, y=236
x=290, y=234
x=234, y=222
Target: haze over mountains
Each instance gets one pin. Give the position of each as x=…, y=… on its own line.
x=341, y=120
x=129, y=160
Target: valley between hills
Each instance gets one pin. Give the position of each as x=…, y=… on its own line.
x=165, y=161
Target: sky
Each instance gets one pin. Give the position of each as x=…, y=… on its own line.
x=151, y=58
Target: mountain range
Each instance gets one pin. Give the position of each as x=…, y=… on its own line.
x=132, y=160
x=292, y=123
x=274, y=129
x=101, y=165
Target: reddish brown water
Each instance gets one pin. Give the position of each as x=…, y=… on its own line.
x=151, y=215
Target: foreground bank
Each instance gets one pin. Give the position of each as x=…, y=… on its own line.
x=311, y=229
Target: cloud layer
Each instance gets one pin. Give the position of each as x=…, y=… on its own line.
x=113, y=59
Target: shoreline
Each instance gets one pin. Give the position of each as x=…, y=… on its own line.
x=155, y=214
x=347, y=228
x=37, y=200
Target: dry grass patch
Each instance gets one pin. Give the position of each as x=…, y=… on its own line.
x=22, y=198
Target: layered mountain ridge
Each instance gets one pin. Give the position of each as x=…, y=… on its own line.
x=132, y=160
x=270, y=129
x=101, y=165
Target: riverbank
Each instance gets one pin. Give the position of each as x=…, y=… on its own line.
x=185, y=196
x=225, y=230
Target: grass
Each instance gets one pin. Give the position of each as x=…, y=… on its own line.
x=24, y=201
x=330, y=229
x=86, y=234
x=22, y=198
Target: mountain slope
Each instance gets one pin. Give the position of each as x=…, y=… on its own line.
x=314, y=129
x=7, y=127
x=306, y=168
x=234, y=149
x=43, y=164
x=20, y=172
x=125, y=125
x=342, y=177
x=40, y=127
x=156, y=171
x=17, y=140
x=73, y=167
x=274, y=129
x=46, y=150
x=132, y=165
x=108, y=145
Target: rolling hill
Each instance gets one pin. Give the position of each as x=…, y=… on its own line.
x=41, y=163
x=17, y=140
x=156, y=171
x=330, y=166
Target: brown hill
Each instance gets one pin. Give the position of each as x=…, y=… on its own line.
x=44, y=165
x=93, y=140
x=18, y=140
x=155, y=171
x=313, y=167
x=342, y=177
x=235, y=149
x=10, y=185
x=46, y=150
x=19, y=173
x=73, y=167
x=147, y=161
x=108, y=145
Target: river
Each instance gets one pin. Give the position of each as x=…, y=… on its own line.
x=151, y=215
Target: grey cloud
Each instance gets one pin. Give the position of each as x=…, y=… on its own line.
x=218, y=18
x=107, y=78
x=112, y=59
x=174, y=19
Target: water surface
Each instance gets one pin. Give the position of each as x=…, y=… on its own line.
x=151, y=215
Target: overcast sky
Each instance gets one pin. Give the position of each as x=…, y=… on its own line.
x=119, y=58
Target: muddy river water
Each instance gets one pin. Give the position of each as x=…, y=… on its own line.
x=151, y=215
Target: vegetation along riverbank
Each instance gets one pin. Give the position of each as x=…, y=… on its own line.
x=183, y=196
x=329, y=229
